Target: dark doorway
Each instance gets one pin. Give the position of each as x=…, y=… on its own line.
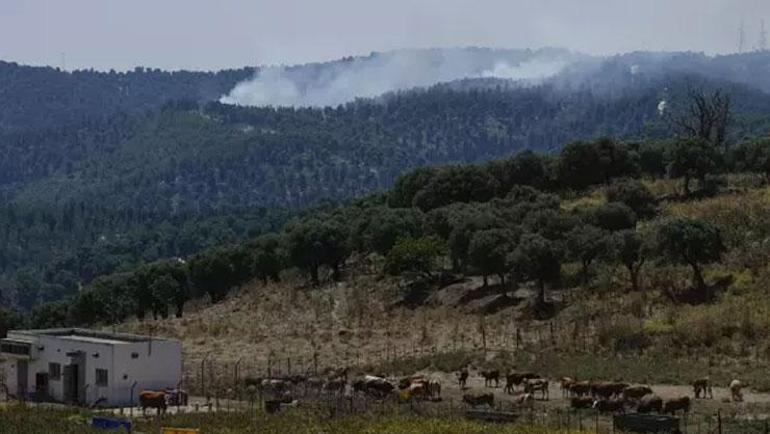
x=22, y=378
x=41, y=386
x=71, y=383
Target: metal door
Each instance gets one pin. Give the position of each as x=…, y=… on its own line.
x=22, y=378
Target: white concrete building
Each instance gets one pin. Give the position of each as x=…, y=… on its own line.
x=84, y=366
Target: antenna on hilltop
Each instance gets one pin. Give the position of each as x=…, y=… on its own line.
x=741, y=37
x=762, y=37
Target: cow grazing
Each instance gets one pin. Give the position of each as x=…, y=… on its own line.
x=673, y=405
x=702, y=387
x=580, y=388
x=490, y=376
x=478, y=400
x=513, y=379
x=581, y=402
x=736, y=390
x=650, y=403
x=151, y=399
x=610, y=405
x=462, y=379
x=533, y=385
x=634, y=393
x=408, y=381
x=607, y=389
x=377, y=387
x=417, y=390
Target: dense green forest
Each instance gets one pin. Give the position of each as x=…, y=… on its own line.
x=504, y=218
x=94, y=181
x=45, y=98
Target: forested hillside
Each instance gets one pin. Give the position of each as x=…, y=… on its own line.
x=161, y=171
x=586, y=218
x=44, y=97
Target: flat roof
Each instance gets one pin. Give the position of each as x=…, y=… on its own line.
x=85, y=335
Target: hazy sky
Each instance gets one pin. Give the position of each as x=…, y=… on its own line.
x=212, y=34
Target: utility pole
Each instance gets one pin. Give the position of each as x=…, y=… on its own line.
x=741, y=37
x=762, y=37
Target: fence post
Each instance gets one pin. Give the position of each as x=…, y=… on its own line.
x=203, y=374
x=236, y=386
x=719, y=421
x=131, y=410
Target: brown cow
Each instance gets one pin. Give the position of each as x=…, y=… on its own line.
x=607, y=389
x=565, y=383
x=513, y=379
x=462, y=378
x=581, y=402
x=490, y=376
x=610, y=405
x=537, y=384
x=152, y=399
x=476, y=400
x=674, y=405
x=702, y=386
x=633, y=393
x=650, y=403
x=736, y=390
x=580, y=388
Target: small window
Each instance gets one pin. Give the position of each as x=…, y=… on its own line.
x=101, y=377
x=54, y=371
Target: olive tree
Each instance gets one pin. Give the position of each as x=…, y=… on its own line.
x=692, y=242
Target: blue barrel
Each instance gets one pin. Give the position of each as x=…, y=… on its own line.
x=110, y=424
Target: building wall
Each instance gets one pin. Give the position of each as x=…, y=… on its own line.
x=157, y=365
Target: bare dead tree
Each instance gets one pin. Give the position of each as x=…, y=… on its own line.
x=707, y=116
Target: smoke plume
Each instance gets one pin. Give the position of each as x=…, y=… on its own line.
x=334, y=83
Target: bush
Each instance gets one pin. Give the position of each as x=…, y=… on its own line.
x=635, y=195
x=623, y=334
x=615, y=216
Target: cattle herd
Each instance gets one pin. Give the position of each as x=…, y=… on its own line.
x=602, y=396
x=522, y=389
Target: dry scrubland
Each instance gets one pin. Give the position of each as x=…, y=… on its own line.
x=602, y=331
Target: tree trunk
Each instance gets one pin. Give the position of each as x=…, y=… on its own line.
x=336, y=272
x=700, y=284
x=633, y=273
x=314, y=275
x=541, y=293
x=586, y=265
x=485, y=280
x=503, y=288
x=686, y=185
x=179, y=309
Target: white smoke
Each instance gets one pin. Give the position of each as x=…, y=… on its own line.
x=339, y=82
x=535, y=69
